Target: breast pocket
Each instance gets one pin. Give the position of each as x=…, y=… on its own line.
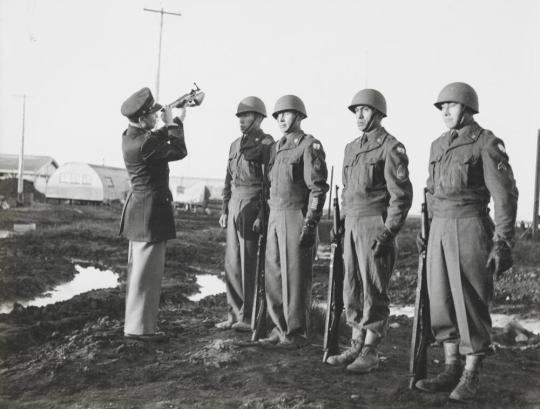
x=373, y=174
x=348, y=171
x=295, y=169
x=435, y=171
x=464, y=173
x=231, y=165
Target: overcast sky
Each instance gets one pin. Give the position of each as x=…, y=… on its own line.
x=78, y=60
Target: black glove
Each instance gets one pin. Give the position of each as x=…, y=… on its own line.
x=340, y=231
x=500, y=258
x=421, y=243
x=309, y=231
x=382, y=243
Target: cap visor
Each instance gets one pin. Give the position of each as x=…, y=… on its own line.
x=155, y=108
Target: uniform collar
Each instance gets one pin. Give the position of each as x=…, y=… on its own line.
x=374, y=139
x=252, y=136
x=291, y=140
x=466, y=135
x=135, y=130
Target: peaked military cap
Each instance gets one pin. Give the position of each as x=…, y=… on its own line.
x=140, y=103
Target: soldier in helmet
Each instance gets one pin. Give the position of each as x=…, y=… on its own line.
x=147, y=218
x=298, y=188
x=248, y=158
x=377, y=195
x=468, y=166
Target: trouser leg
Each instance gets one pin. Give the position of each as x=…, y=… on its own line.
x=471, y=283
x=441, y=304
x=352, y=283
x=145, y=270
x=297, y=274
x=374, y=272
x=288, y=272
x=460, y=285
x=273, y=282
x=241, y=258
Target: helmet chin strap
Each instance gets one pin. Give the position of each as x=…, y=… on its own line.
x=460, y=123
x=251, y=125
x=293, y=123
x=369, y=125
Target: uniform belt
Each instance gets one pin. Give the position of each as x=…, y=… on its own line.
x=456, y=212
x=285, y=206
x=245, y=192
x=376, y=209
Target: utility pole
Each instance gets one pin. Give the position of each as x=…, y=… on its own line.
x=161, y=12
x=534, y=226
x=20, y=179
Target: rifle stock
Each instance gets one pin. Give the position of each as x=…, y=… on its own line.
x=335, y=289
x=421, y=332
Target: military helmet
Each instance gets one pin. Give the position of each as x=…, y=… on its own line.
x=289, y=103
x=371, y=98
x=251, y=104
x=458, y=92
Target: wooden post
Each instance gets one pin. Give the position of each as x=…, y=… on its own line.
x=534, y=226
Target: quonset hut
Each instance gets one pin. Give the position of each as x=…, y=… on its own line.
x=86, y=183
x=36, y=169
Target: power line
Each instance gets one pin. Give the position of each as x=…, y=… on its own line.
x=161, y=12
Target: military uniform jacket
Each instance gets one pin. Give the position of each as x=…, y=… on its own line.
x=247, y=155
x=466, y=171
x=148, y=214
x=298, y=175
x=376, y=179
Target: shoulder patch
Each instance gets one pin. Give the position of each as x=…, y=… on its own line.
x=400, y=149
x=501, y=147
x=402, y=172
x=316, y=146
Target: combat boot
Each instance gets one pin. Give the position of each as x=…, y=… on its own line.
x=469, y=383
x=366, y=361
x=369, y=357
x=347, y=356
x=449, y=377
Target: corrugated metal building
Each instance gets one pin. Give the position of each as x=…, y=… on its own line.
x=185, y=188
x=36, y=169
x=88, y=183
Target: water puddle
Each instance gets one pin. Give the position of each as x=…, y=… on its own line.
x=210, y=284
x=86, y=279
x=498, y=320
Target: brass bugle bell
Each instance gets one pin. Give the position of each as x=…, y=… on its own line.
x=193, y=98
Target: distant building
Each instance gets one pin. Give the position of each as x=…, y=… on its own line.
x=193, y=190
x=36, y=169
x=82, y=182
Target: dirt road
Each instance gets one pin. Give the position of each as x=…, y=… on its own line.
x=73, y=355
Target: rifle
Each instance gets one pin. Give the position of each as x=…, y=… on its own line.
x=335, y=288
x=193, y=98
x=421, y=332
x=258, y=313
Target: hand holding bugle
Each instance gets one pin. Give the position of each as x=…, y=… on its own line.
x=193, y=98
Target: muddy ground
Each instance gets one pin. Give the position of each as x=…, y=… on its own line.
x=73, y=355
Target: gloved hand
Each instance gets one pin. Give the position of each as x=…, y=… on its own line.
x=309, y=231
x=382, y=242
x=257, y=226
x=421, y=244
x=500, y=258
x=223, y=221
x=340, y=231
